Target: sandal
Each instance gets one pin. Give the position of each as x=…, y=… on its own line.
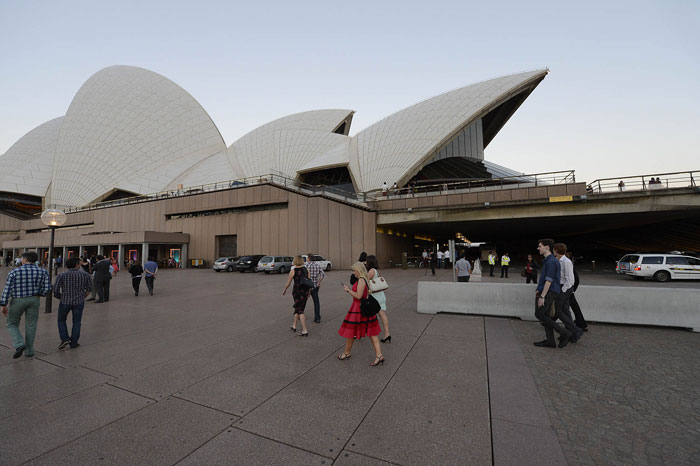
x=304, y=334
x=378, y=360
x=344, y=356
x=294, y=329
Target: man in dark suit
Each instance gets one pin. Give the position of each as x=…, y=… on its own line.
x=103, y=275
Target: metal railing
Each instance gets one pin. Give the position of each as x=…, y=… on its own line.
x=273, y=179
x=483, y=184
x=674, y=180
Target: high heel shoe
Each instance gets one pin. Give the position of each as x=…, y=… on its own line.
x=304, y=334
x=344, y=356
x=386, y=340
x=378, y=360
x=294, y=329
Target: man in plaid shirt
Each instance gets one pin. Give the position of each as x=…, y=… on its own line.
x=71, y=287
x=316, y=275
x=24, y=285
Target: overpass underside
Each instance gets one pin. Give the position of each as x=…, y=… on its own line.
x=605, y=223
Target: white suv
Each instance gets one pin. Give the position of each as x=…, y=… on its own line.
x=660, y=267
x=325, y=264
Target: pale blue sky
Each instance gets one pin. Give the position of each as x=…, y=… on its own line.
x=622, y=97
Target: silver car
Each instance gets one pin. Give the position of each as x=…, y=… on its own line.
x=225, y=263
x=279, y=264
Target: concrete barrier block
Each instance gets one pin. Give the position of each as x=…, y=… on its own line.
x=671, y=307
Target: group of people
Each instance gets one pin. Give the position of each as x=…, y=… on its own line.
x=505, y=263
x=435, y=260
x=554, y=296
x=83, y=277
x=306, y=277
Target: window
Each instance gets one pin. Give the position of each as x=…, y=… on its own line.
x=632, y=259
x=266, y=259
x=656, y=260
x=692, y=261
x=676, y=261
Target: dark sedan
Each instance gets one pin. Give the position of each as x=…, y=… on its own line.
x=248, y=263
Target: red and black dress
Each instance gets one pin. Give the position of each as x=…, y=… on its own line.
x=357, y=326
x=299, y=294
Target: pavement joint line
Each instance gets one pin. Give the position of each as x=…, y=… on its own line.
x=206, y=406
x=368, y=456
x=548, y=426
x=207, y=441
x=488, y=388
x=398, y=367
x=98, y=371
x=238, y=363
x=296, y=447
x=52, y=363
x=86, y=433
x=290, y=383
x=134, y=393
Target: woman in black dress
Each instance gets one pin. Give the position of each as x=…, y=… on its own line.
x=299, y=294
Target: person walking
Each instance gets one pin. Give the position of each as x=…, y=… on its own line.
x=300, y=294
x=102, y=278
x=355, y=325
x=548, y=289
x=71, y=287
x=463, y=268
x=136, y=272
x=505, y=262
x=24, y=286
x=575, y=307
x=150, y=269
x=567, y=285
x=433, y=262
x=373, y=265
x=530, y=270
x=492, y=262
x=316, y=274
x=439, y=257
x=363, y=259
x=446, y=259
x=85, y=265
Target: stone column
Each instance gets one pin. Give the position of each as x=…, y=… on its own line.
x=144, y=252
x=120, y=257
x=100, y=250
x=183, y=256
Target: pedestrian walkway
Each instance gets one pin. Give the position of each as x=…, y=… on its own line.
x=206, y=371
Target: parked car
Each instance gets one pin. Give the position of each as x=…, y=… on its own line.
x=279, y=264
x=325, y=264
x=660, y=267
x=225, y=263
x=249, y=263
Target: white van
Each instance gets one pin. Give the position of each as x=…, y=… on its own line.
x=660, y=267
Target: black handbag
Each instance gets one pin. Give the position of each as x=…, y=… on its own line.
x=305, y=281
x=369, y=306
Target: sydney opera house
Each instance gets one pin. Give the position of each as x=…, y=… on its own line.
x=141, y=168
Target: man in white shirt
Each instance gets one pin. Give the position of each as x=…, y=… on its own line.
x=567, y=288
x=440, y=256
x=385, y=189
x=446, y=258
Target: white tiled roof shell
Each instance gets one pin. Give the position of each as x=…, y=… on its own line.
x=210, y=170
x=336, y=156
x=389, y=150
x=130, y=129
x=286, y=144
x=27, y=166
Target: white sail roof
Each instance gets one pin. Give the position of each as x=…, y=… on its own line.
x=129, y=129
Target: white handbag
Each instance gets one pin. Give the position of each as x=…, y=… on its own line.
x=378, y=283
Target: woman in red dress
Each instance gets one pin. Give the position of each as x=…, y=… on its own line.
x=355, y=326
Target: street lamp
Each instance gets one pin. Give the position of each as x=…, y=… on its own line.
x=52, y=218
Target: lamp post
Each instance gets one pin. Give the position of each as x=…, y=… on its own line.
x=52, y=218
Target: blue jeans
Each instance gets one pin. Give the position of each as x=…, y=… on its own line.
x=63, y=310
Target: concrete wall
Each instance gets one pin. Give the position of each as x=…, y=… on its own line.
x=671, y=307
x=390, y=248
x=334, y=230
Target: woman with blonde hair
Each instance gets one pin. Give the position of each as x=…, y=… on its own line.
x=299, y=293
x=355, y=325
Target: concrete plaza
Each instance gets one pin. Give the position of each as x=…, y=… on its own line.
x=207, y=372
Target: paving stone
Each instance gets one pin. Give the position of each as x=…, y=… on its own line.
x=31, y=433
x=42, y=389
x=350, y=458
x=24, y=369
x=160, y=434
x=235, y=446
x=442, y=389
x=525, y=445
